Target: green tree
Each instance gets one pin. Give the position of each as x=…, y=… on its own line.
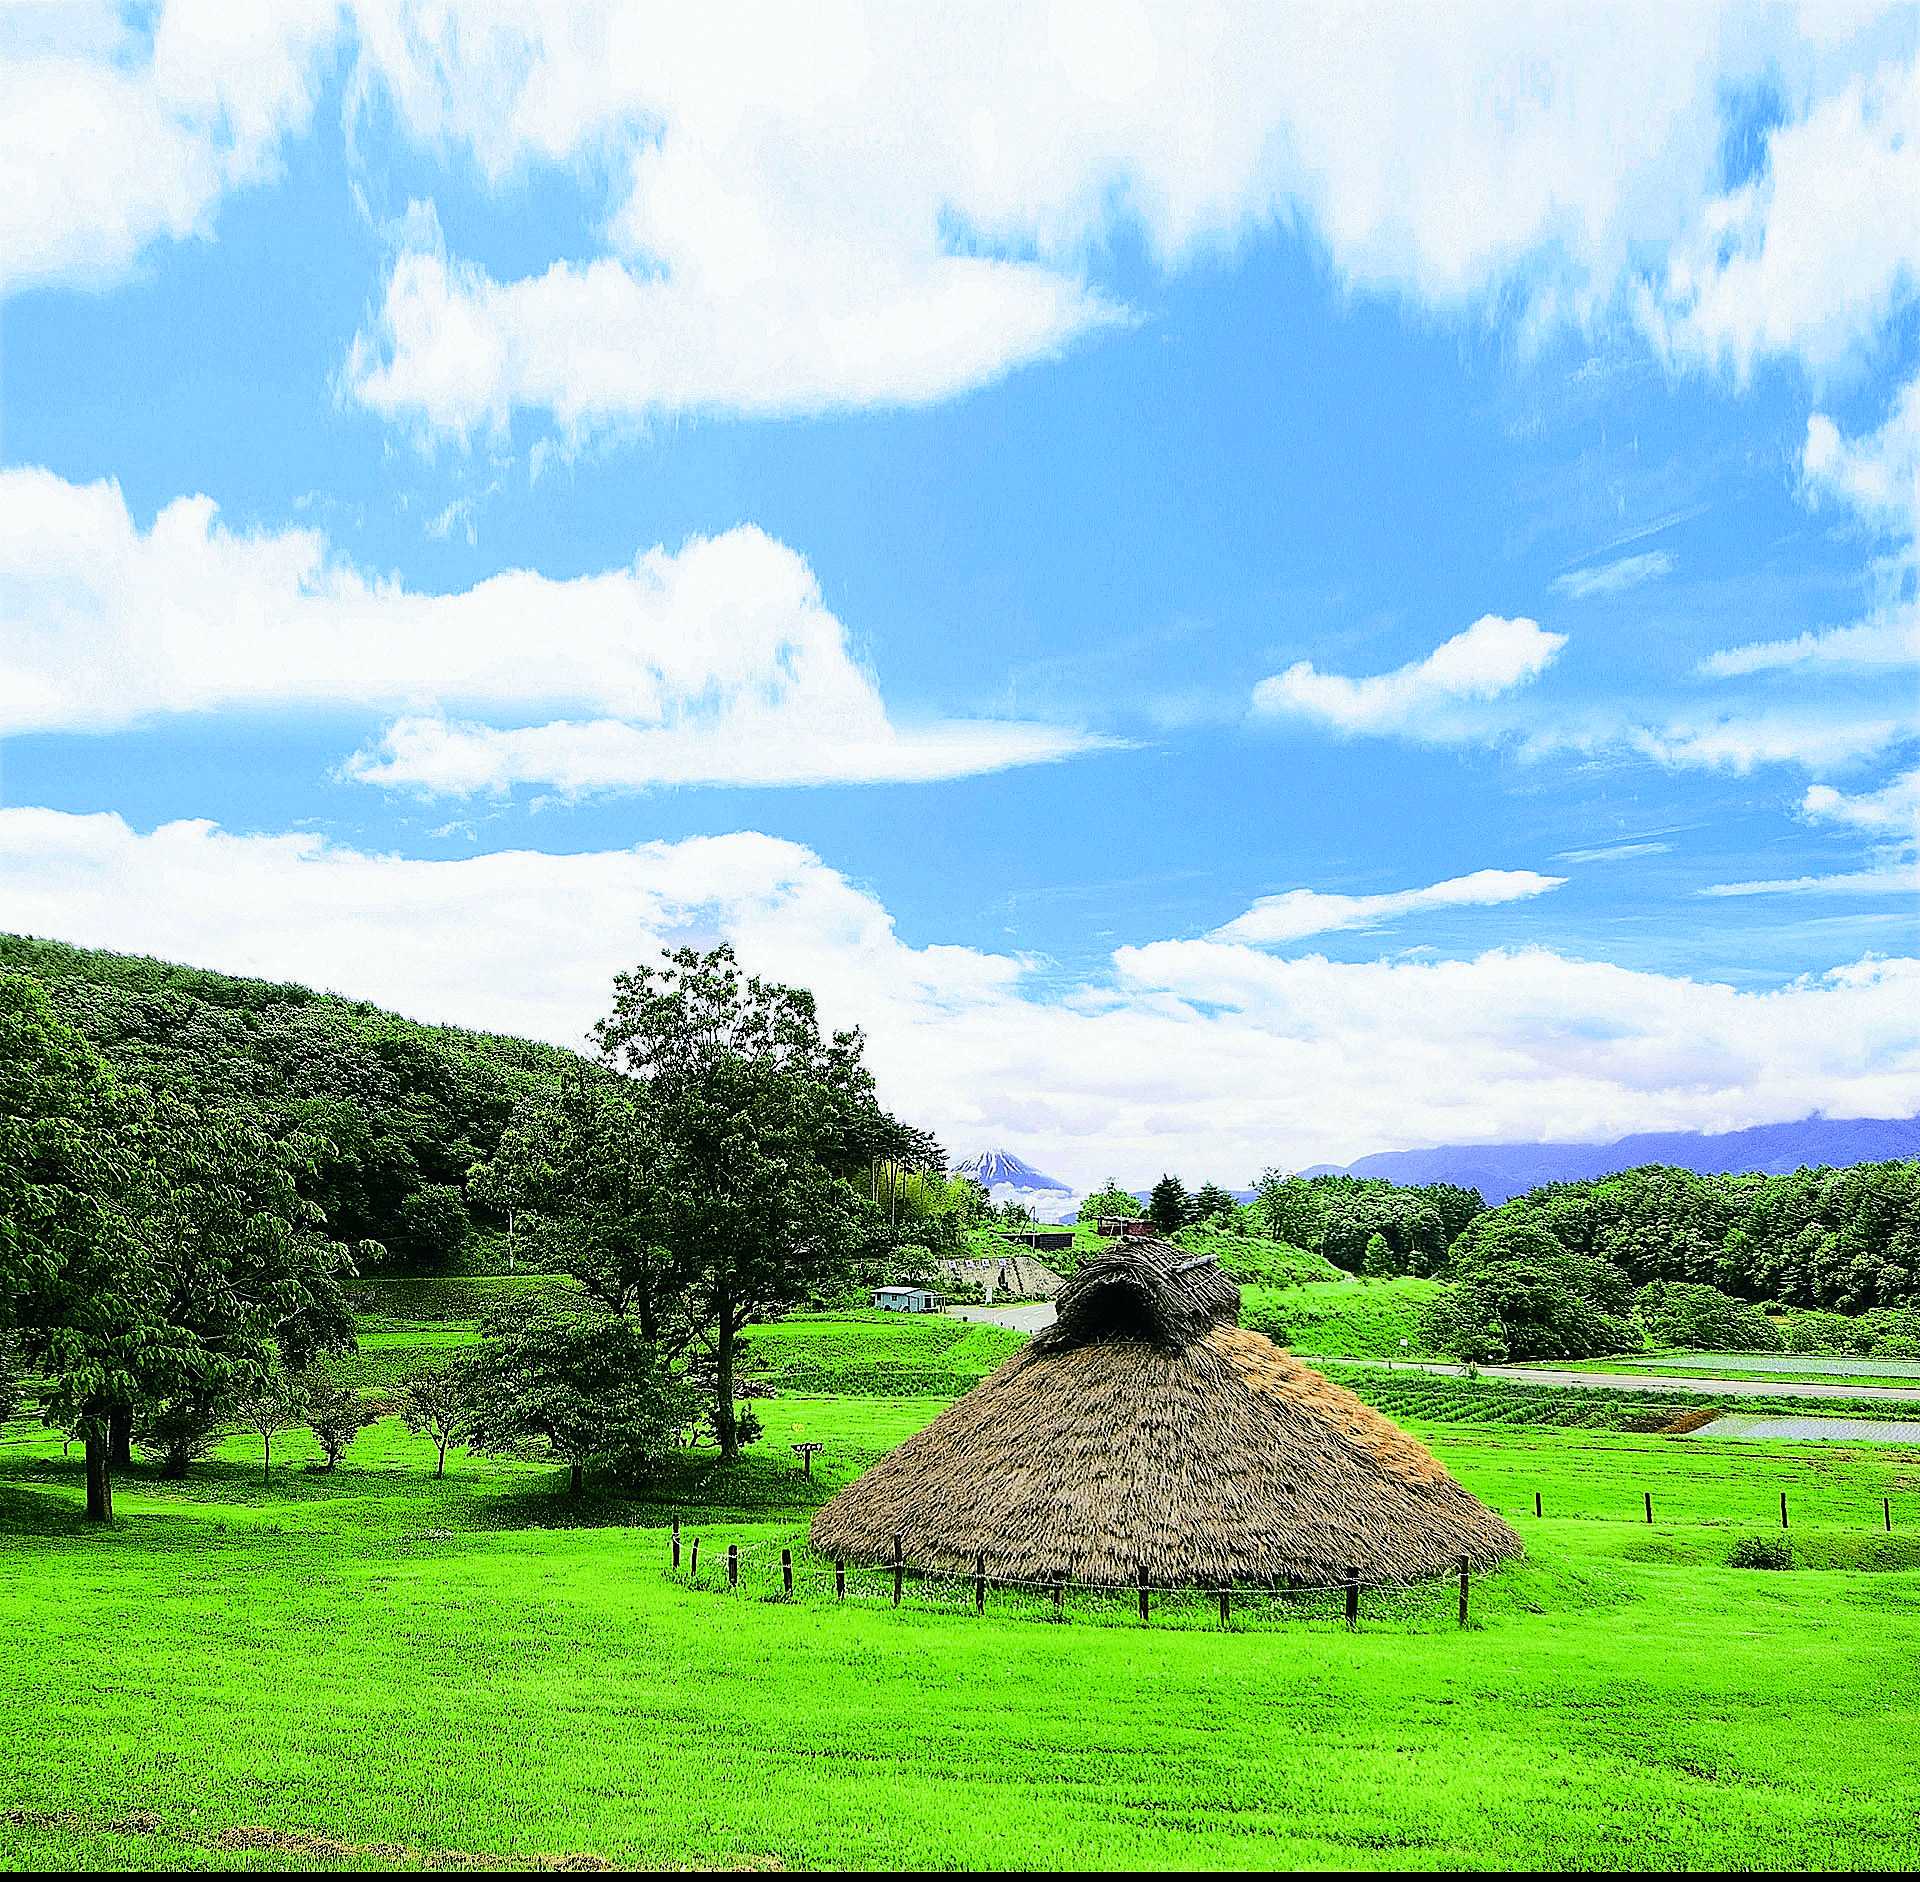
x=433, y=1229
x=1291, y=1209
x=66, y=1243
x=583, y=1385
x=1378, y=1258
x=271, y=1403
x=1110, y=1201
x=1169, y=1207
x=434, y=1404
x=758, y=1129
x=1519, y=1293
x=1211, y=1203
x=335, y=1414
x=178, y=1432
x=506, y=1181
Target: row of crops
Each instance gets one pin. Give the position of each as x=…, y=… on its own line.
x=1443, y=1398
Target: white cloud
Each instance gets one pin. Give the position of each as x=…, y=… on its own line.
x=1612, y=853
x=718, y=663
x=1739, y=740
x=1852, y=882
x=1813, y=255
x=1894, y=810
x=804, y=209
x=1614, y=577
x=1300, y=912
x=1489, y=658
x=748, y=740
x=108, y=143
x=801, y=207
x=1865, y=644
x=1254, y=1059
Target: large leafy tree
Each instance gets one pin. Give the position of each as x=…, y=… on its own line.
x=582, y=1385
x=153, y=1258
x=760, y=1138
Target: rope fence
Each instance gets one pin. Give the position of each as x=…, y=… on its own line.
x=1345, y=1601
x=768, y=1570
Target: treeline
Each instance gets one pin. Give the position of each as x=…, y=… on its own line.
x=166, y=1264
x=1844, y=1241
x=395, y=1114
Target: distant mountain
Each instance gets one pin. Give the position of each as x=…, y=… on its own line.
x=1498, y=1171
x=994, y=1169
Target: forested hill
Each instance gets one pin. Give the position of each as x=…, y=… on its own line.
x=407, y=1108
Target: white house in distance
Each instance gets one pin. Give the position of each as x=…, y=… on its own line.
x=905, y=1299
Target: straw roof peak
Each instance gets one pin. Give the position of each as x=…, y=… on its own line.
x=1142, y=1290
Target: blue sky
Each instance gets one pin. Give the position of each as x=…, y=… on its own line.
x=1236, y=595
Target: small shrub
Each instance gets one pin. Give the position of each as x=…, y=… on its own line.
x=179, y=1434
x=335, y=1414
x=1761, y=1552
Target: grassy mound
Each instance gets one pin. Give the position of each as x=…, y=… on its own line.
x=1348, y=1320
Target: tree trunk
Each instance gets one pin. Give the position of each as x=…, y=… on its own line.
x=723, y=1421
x=120, y=1437
x=266, y=1460
x=440, y=1470
x=578, y=1477
x=99, y=1478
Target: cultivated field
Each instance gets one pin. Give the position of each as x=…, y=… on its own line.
x=371, y=1668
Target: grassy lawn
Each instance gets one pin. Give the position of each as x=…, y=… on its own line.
x=375, y=1669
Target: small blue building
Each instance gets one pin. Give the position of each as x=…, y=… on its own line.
x=905, y=1299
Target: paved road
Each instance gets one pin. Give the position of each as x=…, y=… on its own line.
x=1028, y=1319
x=1038, y=1314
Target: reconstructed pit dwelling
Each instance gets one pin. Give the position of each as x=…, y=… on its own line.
x=1146, y=1429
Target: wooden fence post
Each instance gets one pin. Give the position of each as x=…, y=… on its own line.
x=839, y=1581
x=1464, y=1565
x=1143, y=1591
x=1536, y=1502
x=676, y=1544
x=1059, y=1592
x=1783, y=1509
x=899, y=1567
x=1886, y=1510
x=1649, y=1496
x=980, y=1583
x=1353, y=1598
x=693, y=1572
x=733, y=1565
x=1226, y=1601
x=786, y=1573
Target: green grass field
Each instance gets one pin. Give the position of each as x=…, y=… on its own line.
x=375, y=1669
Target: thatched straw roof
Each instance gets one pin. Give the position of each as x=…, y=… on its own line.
x=1147, y=1428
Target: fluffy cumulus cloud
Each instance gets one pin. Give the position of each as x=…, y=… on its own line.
x=1424, y=698
x=715, y=664
x=1301, y=912
x=851, y=205
x=1253, y=1059
x=889, y=204
x=1790, y=262
x=115, y=133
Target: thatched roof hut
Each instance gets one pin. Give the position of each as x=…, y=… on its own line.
x=1147, y=1429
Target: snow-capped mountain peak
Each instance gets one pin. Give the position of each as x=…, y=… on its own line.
x=994, y=1169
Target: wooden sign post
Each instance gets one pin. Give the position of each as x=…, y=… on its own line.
x=806, y=1455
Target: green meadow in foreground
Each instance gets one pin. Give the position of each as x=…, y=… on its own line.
x=374, y=1669
x=370, y=1668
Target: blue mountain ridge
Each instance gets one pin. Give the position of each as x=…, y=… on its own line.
x=1502, y=1170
